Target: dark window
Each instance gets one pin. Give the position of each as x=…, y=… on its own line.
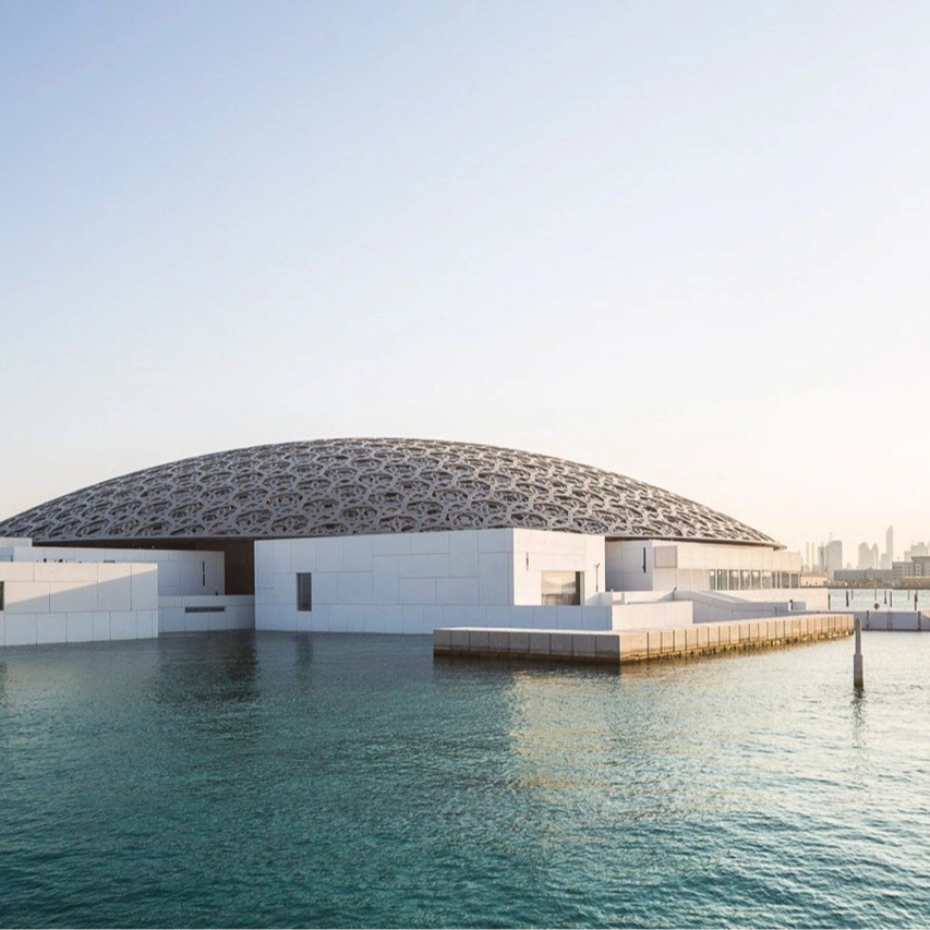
x=561, y=589
x=304, y=591
x=1, y=595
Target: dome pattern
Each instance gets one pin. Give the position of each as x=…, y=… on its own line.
x=339, y=487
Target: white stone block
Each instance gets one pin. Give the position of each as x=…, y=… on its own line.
x=25, y=597
x=432, y=618
x=17, y=571
x=20, y=630
x=330, y=555
x=463, y=554
x=101, y=627
x=122, y=624
x=357, y=554
x=417, y=590
x=392, y=616
x=411, y=618
x=65, y=596
x=264, y=565
x=430, y=543
x=285, y=589
x=80, y=628
x=115, y=592
x=494, y=578
x=52, y=628
x=355, y=588
x=391, y=544
x=457, y=591
x=374, y=619
x=281, y=552
x=145, y=587
x=424, y=566
x=325, y=588
x=495, y=540
x=384, y=580
x=303, y=555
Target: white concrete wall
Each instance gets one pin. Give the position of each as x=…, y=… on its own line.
x=181, y=572
x=66, y=602
x=538, y=551
x=686, y=565
x=193, y=614
x=659, y=615
x=414, y=582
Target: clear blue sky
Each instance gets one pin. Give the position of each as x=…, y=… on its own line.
x=683, y=241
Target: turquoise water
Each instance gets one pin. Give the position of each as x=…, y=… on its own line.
x=279, y=780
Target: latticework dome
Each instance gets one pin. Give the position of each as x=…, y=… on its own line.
x=337, y=487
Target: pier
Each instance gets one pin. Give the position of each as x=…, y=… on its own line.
x=619, y=647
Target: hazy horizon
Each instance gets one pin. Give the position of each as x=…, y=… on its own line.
x=686, y=243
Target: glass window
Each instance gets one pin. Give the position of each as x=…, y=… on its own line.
x=766, y=580
x=734, y=579
x=795, y=581
x=744, y=580
x=304, y=591
x=756, y=579
x=561, y=589
x=721, y=579
x=712, y=580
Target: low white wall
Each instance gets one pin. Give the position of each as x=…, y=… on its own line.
x=180, y=571
x=659, y=615
x=67, y=602
x=204, y=614
x=420, y=619
x=719, y=606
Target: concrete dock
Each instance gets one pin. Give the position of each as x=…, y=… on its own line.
x=618, y=647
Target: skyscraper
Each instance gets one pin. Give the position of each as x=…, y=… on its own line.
x=888, y=554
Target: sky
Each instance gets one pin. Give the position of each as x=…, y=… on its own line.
x=686, y=242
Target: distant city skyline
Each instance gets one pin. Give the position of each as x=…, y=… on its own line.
x=660, y=238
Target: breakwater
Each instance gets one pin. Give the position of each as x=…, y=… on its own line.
x=617, y=647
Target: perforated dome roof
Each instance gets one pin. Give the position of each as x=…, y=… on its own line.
x=336, y=487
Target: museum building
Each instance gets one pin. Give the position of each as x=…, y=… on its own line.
x=378, y=535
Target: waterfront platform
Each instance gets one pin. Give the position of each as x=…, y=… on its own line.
x=618, y=647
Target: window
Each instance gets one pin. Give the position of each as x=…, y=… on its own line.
x=304, y=591
x=1, y=595
x=561, y=589
x=756, y=579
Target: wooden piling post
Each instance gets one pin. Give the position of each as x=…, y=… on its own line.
x=858, y=681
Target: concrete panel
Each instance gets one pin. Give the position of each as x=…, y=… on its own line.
x=101, y=627
x=417, y=590
x=429, y=543
x=330, y=555
x=144, y=587
x=113, y=594
x=325, y=588
x=52, y=628
x=424, y=566
x=494, y=578
x=79, y=628
x=391, y=544
x=358, y=554
x=25, y=597
x=540, y=643
x=457, y=591
x=20, y=630
x=384, y=581
x=355, y=588
x=495, y=540
x=122, y=624
x=281, y=555
x=463, y=554
x=285, y=589
x=65, y=596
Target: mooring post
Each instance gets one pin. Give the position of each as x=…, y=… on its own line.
x=857, y=658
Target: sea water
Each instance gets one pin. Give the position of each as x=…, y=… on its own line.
x=330, y=780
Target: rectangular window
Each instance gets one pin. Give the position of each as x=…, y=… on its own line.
x=1, y=595
x=722, y=579
x=734, y=579
x=304, y=591
x=766, y=581
x=795, y=581
x=756, y=577
x=561, y=589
